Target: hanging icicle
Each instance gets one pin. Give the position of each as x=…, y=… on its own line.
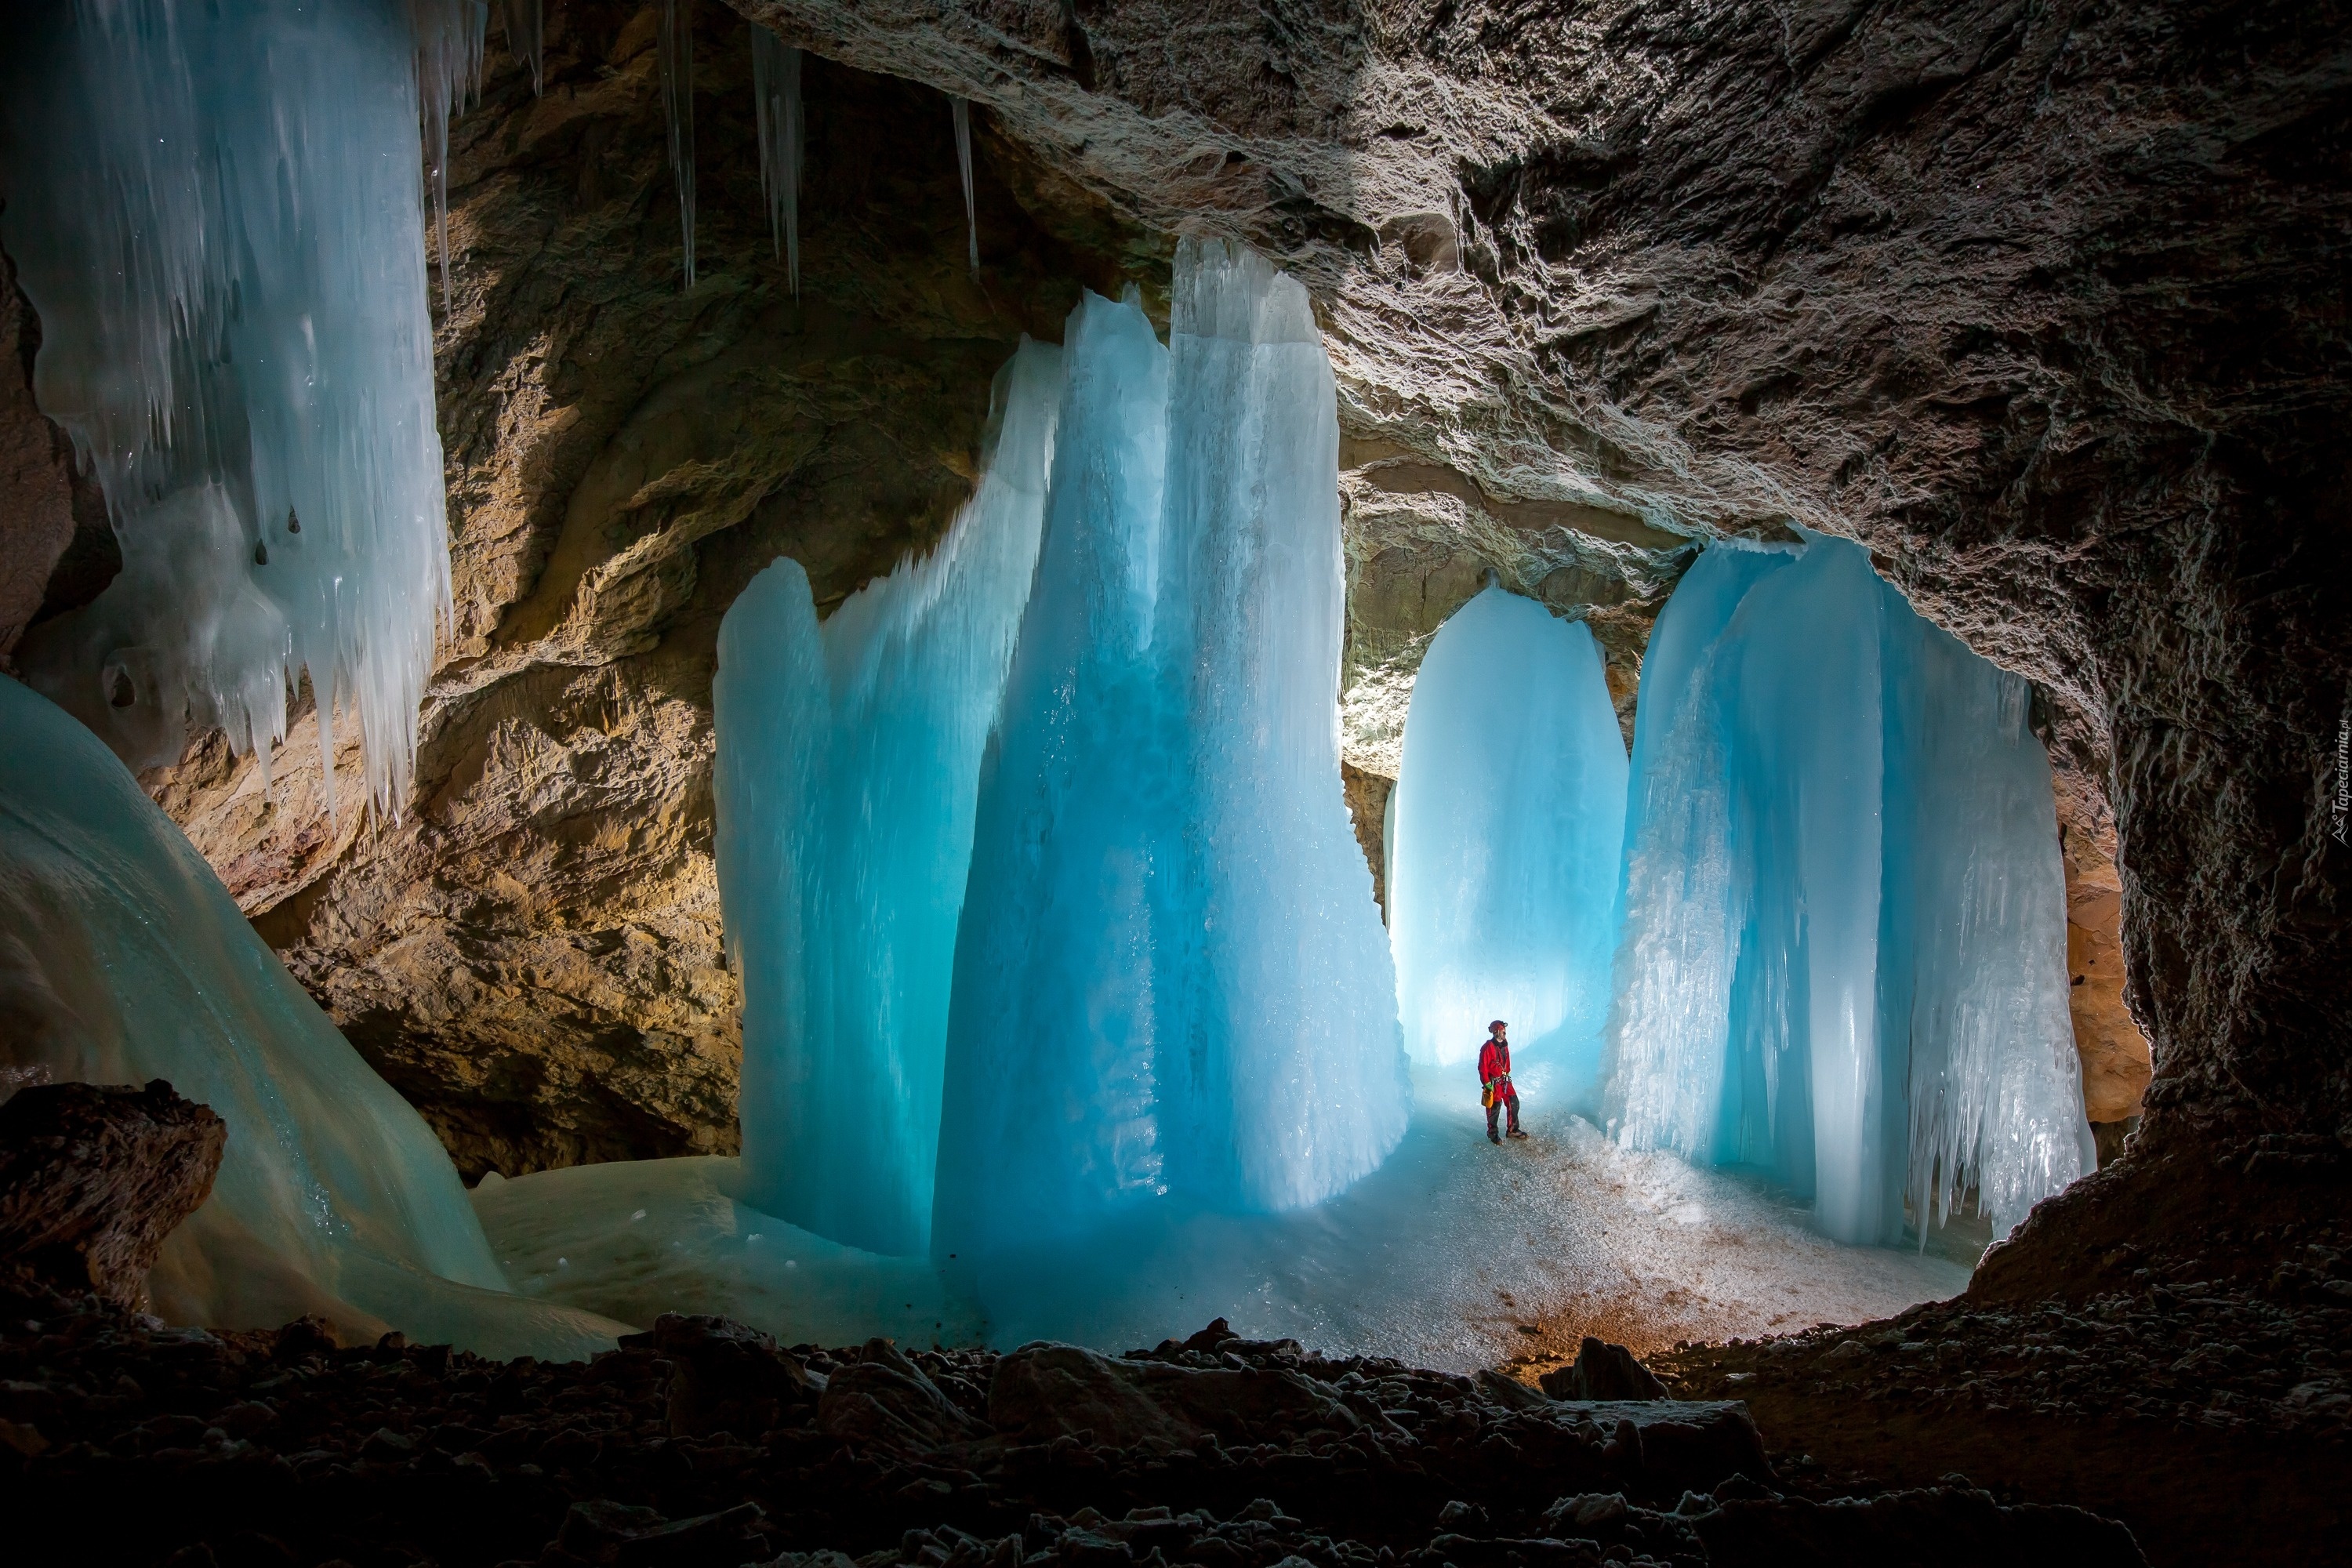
x=962, y=107
x=448, y=75
x=677, y=55
x=776, y=92
x=527, y=38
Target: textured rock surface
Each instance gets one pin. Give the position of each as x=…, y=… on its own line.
x=403, y=1454
x=93, y=1179
x=56, y=549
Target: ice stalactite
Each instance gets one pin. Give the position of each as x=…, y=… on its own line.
x=449, y=34
x=1843, y=956
x=1172, y=985
x=674, y=57
x=216, y=209
x=961, y=109
x=776, y=92
x=526, y=25
x=1510, y=814
x=123, y=959
x=848, y=775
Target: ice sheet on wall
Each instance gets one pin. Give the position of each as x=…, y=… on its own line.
x=216, y=208
x=848, y=756
x=1843, y=957
x=123, y=959
x=1510, y=817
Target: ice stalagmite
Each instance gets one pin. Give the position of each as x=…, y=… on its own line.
x=215, y=210
x=1510, y=814
x=1060, y=1022
x=123, y=959
x=1842, y=957
x=1170, y=980
x=847, y=780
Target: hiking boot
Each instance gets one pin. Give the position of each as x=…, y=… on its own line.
x=1494, y=1137
x=1517, y=1133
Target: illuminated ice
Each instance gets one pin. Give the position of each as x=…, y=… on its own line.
x=123, y=959
x=1842, y=958
x=215, y=210
x=1509, y=818
x=848, y=760
x=1172, y=990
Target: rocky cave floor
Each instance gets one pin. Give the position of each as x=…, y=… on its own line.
x=2210, y=1415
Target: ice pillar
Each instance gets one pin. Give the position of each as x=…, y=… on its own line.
x=846, y=781
x=1510, y=812
x=1172, y=981
x=1841, y=956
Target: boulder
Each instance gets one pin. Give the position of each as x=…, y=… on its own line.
x=1603, y=1371
x=1045, y=1391
x=92, y=1179
x=885, y=1401
x=725, y=1377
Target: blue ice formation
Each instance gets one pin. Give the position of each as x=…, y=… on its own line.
x=215, y=210
x=1510, y=814
x=1843, y=959
x=123, y=959
x=848, y=764
x=1171, y=986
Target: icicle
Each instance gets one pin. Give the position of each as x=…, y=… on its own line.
x=449, y=74
x=526, y=23
x=675, y=52
x=218, y=213
x=963, y=111
x=776, y=93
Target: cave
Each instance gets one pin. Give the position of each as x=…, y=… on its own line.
x=459, y=462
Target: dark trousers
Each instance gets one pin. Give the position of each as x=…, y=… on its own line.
x=1504, y=1095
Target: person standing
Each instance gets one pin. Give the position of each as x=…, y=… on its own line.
x=1495, y=1080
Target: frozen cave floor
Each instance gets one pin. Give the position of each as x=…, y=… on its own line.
x=1455, y=1255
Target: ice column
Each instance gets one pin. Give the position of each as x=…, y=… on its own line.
x=846, y=782
x=1842, y=960
x=776, y=92
x=123, y=959
x=1510, y=813
x=1172, y=981
x=216, y=209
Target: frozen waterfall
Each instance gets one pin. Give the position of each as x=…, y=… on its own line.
x=217, y=212
x=123, y=959
x=1172, y=984
x=1510, y=817
x=849, y=760
x=1843, y=959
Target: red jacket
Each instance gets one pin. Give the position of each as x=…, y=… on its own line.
x=1494, y=1061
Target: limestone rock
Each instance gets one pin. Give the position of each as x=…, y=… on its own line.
x=883, y=1401
x=92, y=1179
x=725, y=1377
x=1042, y=1390
x=1603, y=1371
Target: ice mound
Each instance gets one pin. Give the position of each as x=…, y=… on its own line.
x=215, y=210
x=1510, y=818
x=1842, y=963
x=123, y=959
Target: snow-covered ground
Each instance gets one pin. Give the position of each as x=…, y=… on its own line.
x=1446, y=1256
